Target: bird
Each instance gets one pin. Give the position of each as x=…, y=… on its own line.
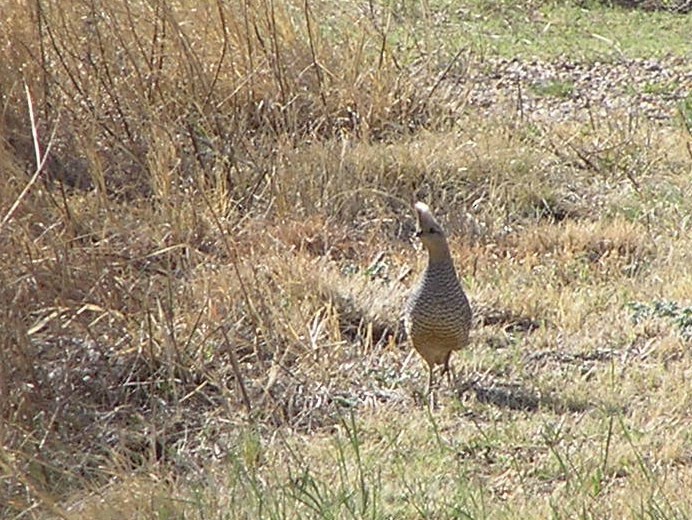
x=437, y=314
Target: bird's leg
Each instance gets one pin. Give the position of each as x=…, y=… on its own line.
x=430, y=378
x=447, y=369
x=430, y=394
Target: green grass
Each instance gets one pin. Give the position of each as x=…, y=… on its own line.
x=465, y=463
x=587, y=31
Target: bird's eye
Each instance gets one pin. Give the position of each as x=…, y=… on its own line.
x=432, y=230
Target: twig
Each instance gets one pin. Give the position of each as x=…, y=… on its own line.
x=316, y=65
x=40, y=159
x=442, y=76
x=222, y=57
x=236, y=371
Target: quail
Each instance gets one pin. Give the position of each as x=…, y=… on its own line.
x=437, y=314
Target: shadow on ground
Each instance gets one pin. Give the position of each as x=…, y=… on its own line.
x=517, y=396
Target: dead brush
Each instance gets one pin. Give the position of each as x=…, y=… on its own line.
x=211, y=258
x=214, y=86
x=615, y=247
x=163, y=104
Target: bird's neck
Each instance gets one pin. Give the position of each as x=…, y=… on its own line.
x=438, y=254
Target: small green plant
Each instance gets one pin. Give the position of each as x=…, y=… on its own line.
x=657, y=88
x=556, y=88
x=680, y=316
x=685, y=112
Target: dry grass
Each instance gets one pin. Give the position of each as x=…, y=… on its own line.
x=200, y=288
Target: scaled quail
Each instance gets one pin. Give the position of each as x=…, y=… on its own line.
x=437, y=315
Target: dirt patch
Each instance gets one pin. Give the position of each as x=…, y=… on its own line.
x=569, y=90
x=679, y=6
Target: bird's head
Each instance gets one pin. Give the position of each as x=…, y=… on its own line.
x=430, y=232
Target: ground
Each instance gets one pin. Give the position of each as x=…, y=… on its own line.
x=206, y=239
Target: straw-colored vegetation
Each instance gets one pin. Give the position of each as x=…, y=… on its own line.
x=205, y=239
